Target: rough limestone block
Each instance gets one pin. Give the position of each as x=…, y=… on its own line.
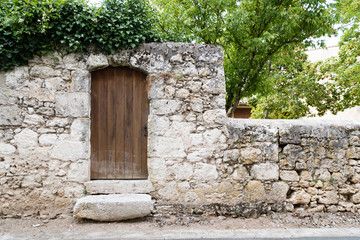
x=114, y=207
x=96, y=61
x=10, y=116
x=265, y=171
x=72, y=104
x=255, y=191
x=81, y=81
x=70, y=150
x=290, y=176
x=6, y=149
x=250, y=155
x=121, y=58
x=119, y=186
x=279, y=191
x=214, y=118
x=300, y=197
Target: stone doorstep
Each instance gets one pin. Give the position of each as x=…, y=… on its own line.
x=113, y=207
x=118, y=186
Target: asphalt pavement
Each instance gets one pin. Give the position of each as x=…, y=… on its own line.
x=241, y=234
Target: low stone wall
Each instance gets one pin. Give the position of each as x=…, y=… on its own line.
x=197, y=158
x=274, y=165
x=304, y=164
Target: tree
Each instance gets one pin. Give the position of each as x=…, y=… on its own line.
x=252, y=33
x=331, y=85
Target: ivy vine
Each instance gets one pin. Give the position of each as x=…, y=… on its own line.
x=37, y=27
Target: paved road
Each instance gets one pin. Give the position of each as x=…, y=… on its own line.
x=240, y=234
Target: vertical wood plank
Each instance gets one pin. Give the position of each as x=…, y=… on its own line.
x=94, y=121
x=120, y=123
x=137, y=126
x=110, y=123
x=144, y=122
x=101, y=127
x=128, y=159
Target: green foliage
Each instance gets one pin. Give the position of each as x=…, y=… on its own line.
x=252, y=34
x=332, y=85
x=31, y=27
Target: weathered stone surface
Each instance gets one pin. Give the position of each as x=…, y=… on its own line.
x=10, y=116
x=305, y=176
x=158, y=124
x=205, y=172
x=47, y=139
x=80, y=129
x=166, y=147
x=196, y=105
x=355, y=141
x=121, y=58
x=6, y=149
x=81, y=81
x=300, y=197
x=255, y=190
x=72, y=104
x=214, y=86
x=329, y=197
x=250, y=155
x=353, y=152
x=183, y=171
x=119, y=186
x=165, y=107
x=55, y=83
x=241, y=174
x=198, y=156
x=231, y=155
x=73, y=61
x=96, y=61
x=57, y=122
x=70, y=150
x=79, y=171
x=355, y=178
x=113, y=207
x=17, y=78
x=182, y=93
x=34, y=119
x=356, y=198
x=26, y=139
x=290, y=176
x=322, y=174
x=151, y=62
x=265, y=171
x=278, y=191
x=347, y=190
x=214, y=117
x=44, y=71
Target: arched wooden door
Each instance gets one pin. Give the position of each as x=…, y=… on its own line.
x=119, y=111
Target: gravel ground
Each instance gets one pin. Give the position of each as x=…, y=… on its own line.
x=185, y=221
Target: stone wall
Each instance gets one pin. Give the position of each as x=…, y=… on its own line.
x=303, y=164
x=196, y=156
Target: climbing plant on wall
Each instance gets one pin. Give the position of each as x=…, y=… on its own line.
x=31, y=27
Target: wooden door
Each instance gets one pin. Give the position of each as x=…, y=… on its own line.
x=119, y=111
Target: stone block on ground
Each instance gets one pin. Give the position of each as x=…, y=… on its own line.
x=113, y=207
